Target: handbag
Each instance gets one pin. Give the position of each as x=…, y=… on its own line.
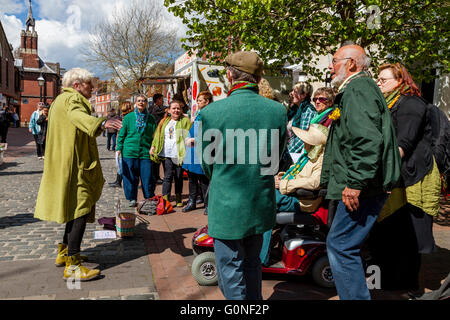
x=163, y=206
x=147, y=207
x=156, y=205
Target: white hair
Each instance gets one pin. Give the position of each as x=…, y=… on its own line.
x=364, y=62
x=76, y=75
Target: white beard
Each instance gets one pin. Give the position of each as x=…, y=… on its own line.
x=339, y=79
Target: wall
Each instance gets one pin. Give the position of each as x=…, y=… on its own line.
x=442, y=93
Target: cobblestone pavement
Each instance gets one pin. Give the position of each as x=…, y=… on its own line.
x=26, y=241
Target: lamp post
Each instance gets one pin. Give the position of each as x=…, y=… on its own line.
x=41, y=82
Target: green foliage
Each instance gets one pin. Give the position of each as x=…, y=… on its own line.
x=415, y=33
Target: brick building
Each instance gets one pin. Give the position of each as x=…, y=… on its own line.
x=33, y=68
x=9, y=74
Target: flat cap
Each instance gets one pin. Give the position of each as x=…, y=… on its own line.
x=246, y=61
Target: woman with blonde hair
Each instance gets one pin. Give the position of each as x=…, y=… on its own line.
x=72, y=181
x=265, y=89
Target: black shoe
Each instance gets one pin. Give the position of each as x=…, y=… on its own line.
x=190, y=206
x=199, y=200
x=117, y=183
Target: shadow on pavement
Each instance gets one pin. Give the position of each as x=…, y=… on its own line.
x=17, y=220
x=6, y=165
x=298, y=288
x=122, y=250
x=21, y=173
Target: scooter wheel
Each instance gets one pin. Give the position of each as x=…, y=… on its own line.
x=204, y=269
x=321, y=273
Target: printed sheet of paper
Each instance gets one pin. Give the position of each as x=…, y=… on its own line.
x=105, y=234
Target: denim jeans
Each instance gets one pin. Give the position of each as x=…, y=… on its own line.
x=344, y=241
x=132, y=170
x=239, y=267
x=111, y=136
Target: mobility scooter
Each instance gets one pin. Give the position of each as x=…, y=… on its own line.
x=298, y=245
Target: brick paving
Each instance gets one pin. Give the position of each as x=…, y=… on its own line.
x=155, y=264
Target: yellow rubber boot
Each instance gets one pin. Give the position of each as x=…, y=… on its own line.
x=62, y=255
x=75, y=271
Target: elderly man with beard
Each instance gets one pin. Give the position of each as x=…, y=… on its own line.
x=361, y=164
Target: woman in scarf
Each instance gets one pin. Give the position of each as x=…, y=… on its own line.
x=404, y=228
x=304, y=174
x=133, y=144
x=323, y=100
x=169, y=148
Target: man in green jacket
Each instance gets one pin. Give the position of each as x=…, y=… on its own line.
x=361, y=164
x=73, y=180
x=249, y=136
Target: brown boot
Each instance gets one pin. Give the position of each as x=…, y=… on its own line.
x=74, y=270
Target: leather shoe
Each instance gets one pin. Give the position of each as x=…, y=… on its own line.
x=190, y=206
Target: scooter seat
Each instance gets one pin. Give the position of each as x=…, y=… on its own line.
x=305, y=194
x=295, y=218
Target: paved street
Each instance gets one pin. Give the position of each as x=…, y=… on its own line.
x=155, y=264
x=28, y=246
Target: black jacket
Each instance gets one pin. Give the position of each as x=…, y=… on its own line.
x=413, y=129
x=158, y=112
x=42, y=122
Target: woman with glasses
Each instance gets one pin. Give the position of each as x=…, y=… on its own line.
x=323, y=101
x=404, y=228
x=133, y=145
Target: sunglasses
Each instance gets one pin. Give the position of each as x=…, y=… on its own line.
x=320, y=99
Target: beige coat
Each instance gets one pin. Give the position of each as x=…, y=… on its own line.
x=72, y=181
x=308, y=178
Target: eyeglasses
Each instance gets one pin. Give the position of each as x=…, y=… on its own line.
x=320, y=99
x=336, y=60
x=383, y=80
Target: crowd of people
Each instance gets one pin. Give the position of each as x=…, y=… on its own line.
x=366, y=141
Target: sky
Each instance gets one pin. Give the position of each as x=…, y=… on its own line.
x=63, y=25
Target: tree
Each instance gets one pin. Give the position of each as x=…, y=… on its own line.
x=128, y=46
x=415, y=33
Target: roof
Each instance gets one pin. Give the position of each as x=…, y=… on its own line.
x=44, y=68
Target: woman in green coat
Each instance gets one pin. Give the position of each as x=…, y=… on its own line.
x=133, y=144
x=169, y=148
x=72, y=181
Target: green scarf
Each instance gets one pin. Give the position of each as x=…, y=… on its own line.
x=181, y=131
x=320, y=116
x=312, y=155
x=392, y=97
